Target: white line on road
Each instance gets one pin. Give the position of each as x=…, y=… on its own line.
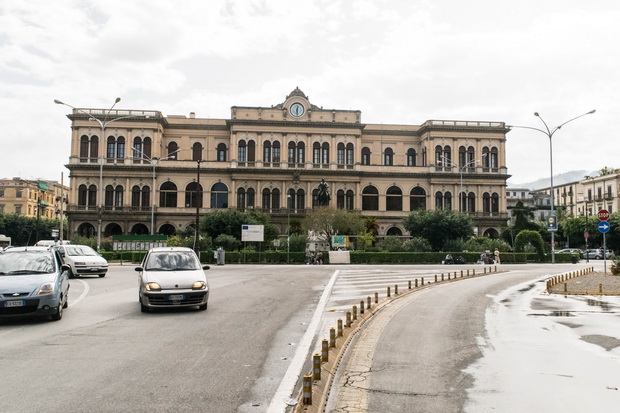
x=84, y=293
x=287, y=385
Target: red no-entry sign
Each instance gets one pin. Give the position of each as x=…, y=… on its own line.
x=603, y=215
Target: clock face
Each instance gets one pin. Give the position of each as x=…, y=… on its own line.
x=297, y=109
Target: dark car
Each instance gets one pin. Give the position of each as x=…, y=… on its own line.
x=33, y=282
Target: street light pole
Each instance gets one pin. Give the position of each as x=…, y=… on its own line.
x=288, y=228
x=154, y=162
x=103, y=123
x=549, y=132
x=198, y=202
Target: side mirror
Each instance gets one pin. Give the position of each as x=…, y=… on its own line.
x=65, y=267
x=139, y=269
x=205, y=267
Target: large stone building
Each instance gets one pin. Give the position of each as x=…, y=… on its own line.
x=143, y=167
x=32, y=198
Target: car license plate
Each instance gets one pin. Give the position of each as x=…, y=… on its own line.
x=176, y=297
x=94, y=269
x=14, y=303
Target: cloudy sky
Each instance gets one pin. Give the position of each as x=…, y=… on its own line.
x=398, y=61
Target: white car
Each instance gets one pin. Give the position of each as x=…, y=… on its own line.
x=172, y=277
x=83, y=260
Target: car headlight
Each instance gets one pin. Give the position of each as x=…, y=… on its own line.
x=47, y=288
x=152, y=287
x=199, y=285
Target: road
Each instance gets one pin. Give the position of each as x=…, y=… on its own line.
x=417, y=354
x=106, y=356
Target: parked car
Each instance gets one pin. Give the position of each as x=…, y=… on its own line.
x=83, y=260
x=597, y=254
x=172, y=277
x=33, y=282
x=571, y=251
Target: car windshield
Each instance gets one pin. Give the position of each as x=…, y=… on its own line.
x=172, y=261
x=76, y=251
x=26, y=262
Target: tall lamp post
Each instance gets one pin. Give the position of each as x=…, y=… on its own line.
x=549, y=133
x=198, y=204
x=154, y=162
x=103, y=123
x=288, y=228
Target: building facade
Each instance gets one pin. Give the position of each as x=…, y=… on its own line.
x=32, y=198
x=143, y=171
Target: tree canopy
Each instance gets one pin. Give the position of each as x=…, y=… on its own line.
x=326, y=222
x=439, y=226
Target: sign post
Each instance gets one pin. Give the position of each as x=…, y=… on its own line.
x=603, y=227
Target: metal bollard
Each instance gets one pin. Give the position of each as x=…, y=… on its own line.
x=324, y=351
x=416, y=283
x=362, y=307
x=307, y=390
x=565, y=287
x=316, y=363
x=468, y=272
x=396, y=289
x=368, y=302
x=448, y=276
x=441, y=276
x=422, y=280
x=348, y=322
x=354, y=312
x=389, y=294
x=600, y=288
x=339, y=334
x=332, y=337
x=435, y=277
x=461, y=273
x=376, y=298
x=474, y=272
x=484, y=270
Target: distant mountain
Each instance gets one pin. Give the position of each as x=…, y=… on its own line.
x=560, y=179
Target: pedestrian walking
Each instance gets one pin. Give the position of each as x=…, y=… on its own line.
x=496, y=253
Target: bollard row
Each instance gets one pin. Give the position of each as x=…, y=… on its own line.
x=562, y=278
x=351, y=317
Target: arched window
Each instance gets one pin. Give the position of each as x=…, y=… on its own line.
x=411, y=157
x=120, y=147
x=471, y=202
x=140, y=198
x=348, y=200
x=146, y=146
x=365, y=156
x=291, y=152
x=447, y=201
x=221, y=152
x=340, y=199
x=349, y=156
x=251, y=151
x=241, y=198
x=325, y=153
x=486, y=203
x=267, y=152
x=276, y=152
x=394, y=232
x=297, y=199
x=438, y=200
x=111, y=147
x=193, y=195
x=447, y=156
x=394, y=199
x=250, y=197
x=462, y=156
x=197, y=151
x=417, y=199
x=340, y=154
x=92, y=195
x=84, y=148
x=485, y=158
x=389, y=157
x=109, y=197
x=439, y=156
x=495, y=203
x=316, y=153
x=113, y=197
x=370, y=199
x=266, y=199
x=172, y=148
x=275, y=198
x=219, y=196
x=242, y=151
x=471, y=157
x=137, y=148
x=301, y=153
x=168, y=195
x=83, y=196
x=494, y=159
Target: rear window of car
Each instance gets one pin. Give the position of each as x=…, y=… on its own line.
x=171, y=261
x=26, y=262
x=80, y=251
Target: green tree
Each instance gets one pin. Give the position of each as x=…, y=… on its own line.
x=439, y=226
x=417, y=244
x=526, y=238
x=325, y=222
x=26, y=230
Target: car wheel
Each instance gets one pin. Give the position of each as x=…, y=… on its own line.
x=144, y=308
x=598, y=257
x=101, y=275
x=71, y=274
x=58, y=314
x=202, y=307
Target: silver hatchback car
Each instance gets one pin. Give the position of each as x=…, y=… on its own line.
x=172, y=277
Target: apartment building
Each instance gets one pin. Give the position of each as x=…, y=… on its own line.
x=32, y=198
x=138, y=171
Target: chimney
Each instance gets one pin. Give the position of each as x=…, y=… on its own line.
x=192, y=115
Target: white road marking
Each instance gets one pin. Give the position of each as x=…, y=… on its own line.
x=83, y=295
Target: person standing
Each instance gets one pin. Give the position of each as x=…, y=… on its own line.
x=496, y=253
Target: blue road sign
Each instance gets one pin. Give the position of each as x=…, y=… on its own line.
x=603, y=226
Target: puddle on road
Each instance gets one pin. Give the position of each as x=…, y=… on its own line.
x=553, y=314
x=598, y=303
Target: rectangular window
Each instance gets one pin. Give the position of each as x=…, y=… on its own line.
x=609, y=191
x=19, y=193
x=1, y=193
x=18, y=209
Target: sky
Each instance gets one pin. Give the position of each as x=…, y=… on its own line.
x=397, y=61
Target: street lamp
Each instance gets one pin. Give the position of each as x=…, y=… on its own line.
x=103, y=123
x=198, y=204
x=288, y=227
x=154, y=162
x=547, y=131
